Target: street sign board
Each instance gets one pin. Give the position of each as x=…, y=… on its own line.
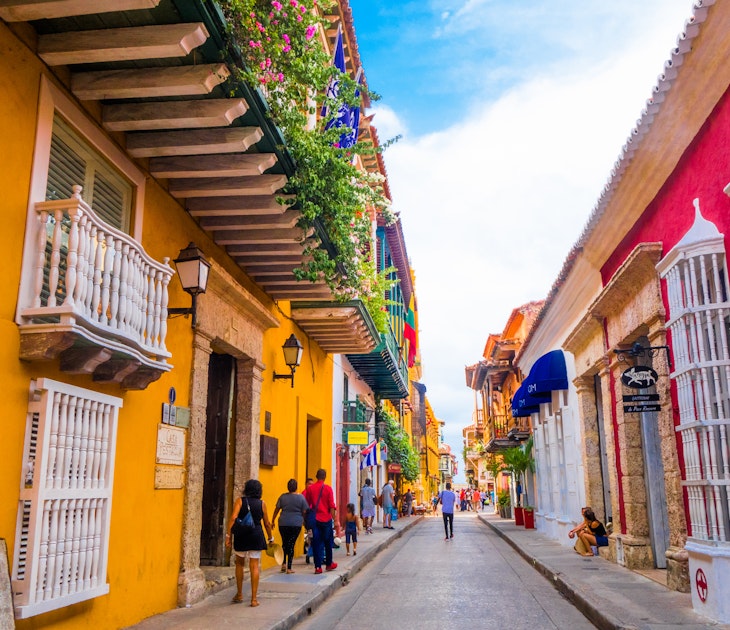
x=641, y=398
x=359, y=438
x=639, y=377
x=641, y=408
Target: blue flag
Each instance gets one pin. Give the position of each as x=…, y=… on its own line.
x=347, y=115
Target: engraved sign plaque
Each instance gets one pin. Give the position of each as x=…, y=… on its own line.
x=169, y=477
x=170, y=445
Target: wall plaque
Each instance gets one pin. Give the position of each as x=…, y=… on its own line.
x=169, y=477
x=269, y=453
x=170, y=445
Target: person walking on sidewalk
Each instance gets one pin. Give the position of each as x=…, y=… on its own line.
x=387, y=494
x=319, y=496
x=352, y=527
x=369, y=501
x=447, y=499
x=250, y=542
x=292, y=507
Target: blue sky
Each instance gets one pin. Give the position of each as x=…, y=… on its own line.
x=512, y=115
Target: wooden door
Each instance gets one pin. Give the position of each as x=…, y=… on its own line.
x=220, y=397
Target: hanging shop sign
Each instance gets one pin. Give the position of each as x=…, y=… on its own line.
x=358, y=438
x=394, y=468
x=639, y=377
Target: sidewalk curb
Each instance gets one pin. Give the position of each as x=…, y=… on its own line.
x=590, y=609
x=318, y=598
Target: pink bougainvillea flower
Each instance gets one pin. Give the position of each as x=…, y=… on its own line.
x=311, y=30
x=286, y=49
x=281, y=77
x=286, y=38
x=299, y=18
x=277, y=5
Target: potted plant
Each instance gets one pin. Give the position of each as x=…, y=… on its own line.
x=518, y=460
x=529, y=513
x=503, y=503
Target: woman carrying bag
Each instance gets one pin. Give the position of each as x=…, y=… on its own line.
x=249, y=542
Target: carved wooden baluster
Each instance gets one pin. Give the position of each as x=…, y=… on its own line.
x=84, y=445
x=72, y=258
x=96, y=552
x=148, y=336
x=55, y=258
x=98, y=420
x=163, y=308
x=89, y=483
x=133, y=293
x=83, y=545
x=98, y=269
x=41, y=574
x=105, y=412
x=82, y=266
x=68, y=442
x=75, y=477
x=40, y=258
x=124, y=289
x=53, y=439
x=61, y=443
x=106, y=278
x=90, y=262
x=52, y=549
x=75, y=546
x=63, y=551
x=116, y=271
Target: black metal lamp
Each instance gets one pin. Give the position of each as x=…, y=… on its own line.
x=292, y=357
x=192, y=269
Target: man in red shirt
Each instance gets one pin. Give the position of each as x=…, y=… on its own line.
x=319, y=496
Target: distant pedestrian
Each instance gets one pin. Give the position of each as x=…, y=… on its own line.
x=292, y=507
x=369, y=500
x=435, y=502
x=407, y=502
x=476, y=499
x=352, y=527
x=387, y=494
x=447, y=498
x=251, y=543
x=462, y=500
x=320, y=497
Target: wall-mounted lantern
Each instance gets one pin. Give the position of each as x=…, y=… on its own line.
x=292, y=357
x=192, y=268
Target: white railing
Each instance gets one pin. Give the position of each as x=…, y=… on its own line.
x=62, y=535
x=91, y=274
x=699, y=316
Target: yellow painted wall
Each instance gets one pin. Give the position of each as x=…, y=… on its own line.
x=146, y=524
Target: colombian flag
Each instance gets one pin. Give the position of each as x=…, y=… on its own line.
x=409, y=331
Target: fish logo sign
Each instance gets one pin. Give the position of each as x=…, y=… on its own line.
x=639, y=377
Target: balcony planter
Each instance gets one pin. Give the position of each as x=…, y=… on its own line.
x=519, y=515
x=529, y=514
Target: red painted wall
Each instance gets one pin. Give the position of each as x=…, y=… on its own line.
x=703, y=172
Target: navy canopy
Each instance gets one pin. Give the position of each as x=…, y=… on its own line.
x=547, y=374
x=523, y=404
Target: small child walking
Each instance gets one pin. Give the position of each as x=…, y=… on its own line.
x=352, y=527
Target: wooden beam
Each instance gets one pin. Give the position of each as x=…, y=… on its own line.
x=270, y=270
x=299, y=292
x=121, y=44
x=27, y=10
x=197, y=141
x=241, y=251
x=225, y=186
x=275, y=263
x=216, y=112
x=260, y=237
x=148, y=82
x=216, y=165
x=286, y=220
x=226, y=206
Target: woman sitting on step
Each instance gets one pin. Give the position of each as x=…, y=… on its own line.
x=594, y=535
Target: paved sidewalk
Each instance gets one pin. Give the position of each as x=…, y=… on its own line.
x=610, y=596
x=285, y=599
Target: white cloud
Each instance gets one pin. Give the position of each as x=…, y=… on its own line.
x=492, y=204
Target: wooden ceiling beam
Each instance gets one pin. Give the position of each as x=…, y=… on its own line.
x=242, y=251
x=197, y=141
x=259, y=237
x=216, y=112
x=270, y=270
x=121, y=44
x=286, y=220
x=299, y=293
x=27, y=10
x=226, y=206
x=225, y=186
x=216, y=165
x=148, y=82
x=276, y=262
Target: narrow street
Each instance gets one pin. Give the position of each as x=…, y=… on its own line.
x=422, y=581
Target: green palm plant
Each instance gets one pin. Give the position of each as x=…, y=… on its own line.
x=519, y=460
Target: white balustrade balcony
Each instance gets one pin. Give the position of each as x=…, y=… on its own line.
x=91, y=295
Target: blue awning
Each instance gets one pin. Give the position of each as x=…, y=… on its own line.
x=524, y=404
x=547, y=374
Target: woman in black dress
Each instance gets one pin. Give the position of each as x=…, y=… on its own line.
x=250, y=544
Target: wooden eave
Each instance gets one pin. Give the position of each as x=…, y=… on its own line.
x=338, y=327
x=156, y=73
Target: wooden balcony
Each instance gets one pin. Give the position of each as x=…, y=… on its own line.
x=92, y=296
x=338, y=327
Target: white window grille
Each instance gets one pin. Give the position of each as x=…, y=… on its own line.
x=699, y=316
x=62, y=535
